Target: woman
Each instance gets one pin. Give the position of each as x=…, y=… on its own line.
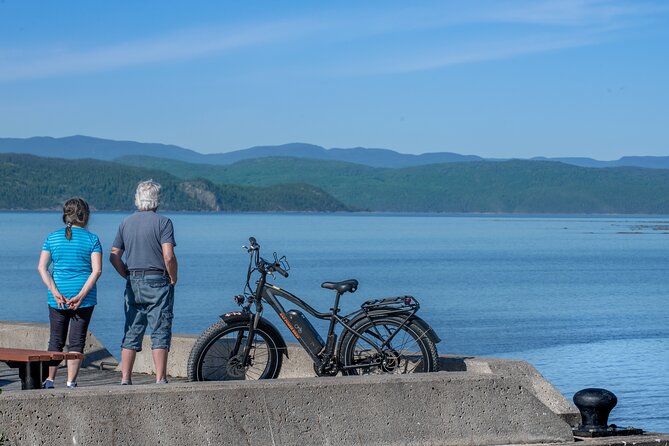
x=77, y=264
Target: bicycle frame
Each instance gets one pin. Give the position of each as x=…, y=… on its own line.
x=271, y=293
x=382, y=336
x=321, y=353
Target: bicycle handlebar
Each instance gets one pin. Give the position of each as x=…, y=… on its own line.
x=262, y=263
x=254, y=246
x=276, y=267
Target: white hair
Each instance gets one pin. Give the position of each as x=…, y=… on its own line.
x=147, y=196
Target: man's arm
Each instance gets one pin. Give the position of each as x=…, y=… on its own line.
x=170, y=262
x=117, y=262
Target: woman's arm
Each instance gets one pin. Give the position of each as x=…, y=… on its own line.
x=43, y=268
x=96, y=271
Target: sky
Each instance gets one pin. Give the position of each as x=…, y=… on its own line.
x=497, y=78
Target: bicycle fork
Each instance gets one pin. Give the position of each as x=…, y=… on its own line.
x=245, y=354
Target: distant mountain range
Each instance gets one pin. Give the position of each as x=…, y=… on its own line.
x=41, y=173
x=78, y=147
x=648, y=162
x=295, y=184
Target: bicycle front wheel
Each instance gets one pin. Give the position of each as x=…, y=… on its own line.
x=217, y=354
x=387, y=345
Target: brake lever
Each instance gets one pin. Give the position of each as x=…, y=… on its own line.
x=250, y=249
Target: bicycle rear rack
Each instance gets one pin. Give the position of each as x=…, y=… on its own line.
x=399, y=304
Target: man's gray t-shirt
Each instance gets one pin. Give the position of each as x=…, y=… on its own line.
x=141, y=236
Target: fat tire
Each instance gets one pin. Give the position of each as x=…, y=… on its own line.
x=427, y=347
x=221, y=328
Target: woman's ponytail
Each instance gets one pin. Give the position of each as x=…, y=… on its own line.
x=75, y=212
x=68, y=231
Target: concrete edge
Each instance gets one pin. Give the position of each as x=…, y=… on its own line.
x=457, y=408
x=534, y=382
x=297, y=365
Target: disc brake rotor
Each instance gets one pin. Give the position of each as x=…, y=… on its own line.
x=391, y=361
x=235, y=368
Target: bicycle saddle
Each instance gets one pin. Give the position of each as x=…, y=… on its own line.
x=341, y=287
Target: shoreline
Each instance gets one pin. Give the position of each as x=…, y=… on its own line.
x=520, y=215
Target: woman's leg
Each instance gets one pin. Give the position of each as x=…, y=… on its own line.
x=58, y=322
x=79, y=329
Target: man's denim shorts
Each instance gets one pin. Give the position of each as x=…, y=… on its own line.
x=148, y=299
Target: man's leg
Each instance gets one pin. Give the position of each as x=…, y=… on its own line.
x=127, y=363
x=160, y=316
x=135, y=325
x=160, y=362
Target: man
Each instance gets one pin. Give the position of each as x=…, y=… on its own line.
x=150, y=268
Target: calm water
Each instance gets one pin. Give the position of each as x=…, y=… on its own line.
x=584, y=299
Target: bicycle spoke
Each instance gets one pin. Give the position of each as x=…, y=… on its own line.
x=222, y=359
x=399, y=349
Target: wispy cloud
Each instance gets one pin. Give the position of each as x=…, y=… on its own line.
x=580, y=13
x=436, y=58
x=183, y=45
x=551, y=25
x=574, y=23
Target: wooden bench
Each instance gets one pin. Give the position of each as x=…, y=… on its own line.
x=33, y=365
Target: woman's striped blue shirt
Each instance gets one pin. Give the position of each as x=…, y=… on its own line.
x=72, y=263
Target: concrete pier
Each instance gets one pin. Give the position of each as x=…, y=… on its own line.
x=475, y=401
x=441, y=408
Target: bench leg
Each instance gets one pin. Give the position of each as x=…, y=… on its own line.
x=31, y=374
x=23, y=374
x=45, y=373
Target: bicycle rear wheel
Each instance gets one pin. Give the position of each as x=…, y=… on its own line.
x=394, y=348
x=217, y=354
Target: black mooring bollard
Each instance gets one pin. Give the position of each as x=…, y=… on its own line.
x=595, y=406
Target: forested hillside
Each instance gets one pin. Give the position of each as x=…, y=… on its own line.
x=31, y=182
x=292, y=184
x=515, y=186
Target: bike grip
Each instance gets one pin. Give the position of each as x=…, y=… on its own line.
x=280, y=270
